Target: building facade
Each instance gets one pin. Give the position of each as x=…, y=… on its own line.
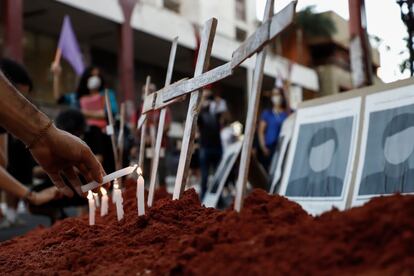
x=155, y=23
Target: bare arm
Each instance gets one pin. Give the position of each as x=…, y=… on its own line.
x=57, y=151
x=261, y=135
x=14, y=187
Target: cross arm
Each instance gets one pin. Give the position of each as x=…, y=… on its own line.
x=266, y=32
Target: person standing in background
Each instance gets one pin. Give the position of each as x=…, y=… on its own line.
x=270, y=124
x=211, y=149
x=91, y=96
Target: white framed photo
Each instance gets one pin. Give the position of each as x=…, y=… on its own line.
x=319, y=166
x=386, y=159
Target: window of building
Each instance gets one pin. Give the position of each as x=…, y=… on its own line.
x=241, y=10
x=173, y=5
x=240, y=34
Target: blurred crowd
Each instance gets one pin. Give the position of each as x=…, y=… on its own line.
x=84, y=114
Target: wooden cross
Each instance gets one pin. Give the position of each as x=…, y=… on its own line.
x=251, y=118
x=161, y=123
x=271, y=27
x=142, y=125
x=263, y=35
x=121, y=135
x=203, y=60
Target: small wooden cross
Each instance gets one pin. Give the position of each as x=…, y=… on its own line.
x=203, y=60
x=254, y=99
x=161, y=123
x=142, y=125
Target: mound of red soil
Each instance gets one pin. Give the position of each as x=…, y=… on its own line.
x=271, y=236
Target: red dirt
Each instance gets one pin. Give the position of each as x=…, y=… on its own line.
x=271, y=236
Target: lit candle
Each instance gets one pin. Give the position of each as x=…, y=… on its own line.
x=118, y=201
x=104, y=205
x=140, y=193
x=92, y=208
x=96, y=197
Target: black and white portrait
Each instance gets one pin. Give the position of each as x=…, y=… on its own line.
x=389, y=160
x=320, y=160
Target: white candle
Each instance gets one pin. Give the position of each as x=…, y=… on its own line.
x=108, y=178
x=140, y=193
x=96, y=197
x=104, y=205
x=118, y=202
x=113, y=191
x=92, y=208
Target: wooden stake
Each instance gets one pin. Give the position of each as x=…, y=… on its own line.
x=121, y=136
x=161, y=123
x=253, y=107
x=112, y=128
x=143, y=128
x=203, y=61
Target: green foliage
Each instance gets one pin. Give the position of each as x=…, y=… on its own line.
x=405, y=64
x=315, y=24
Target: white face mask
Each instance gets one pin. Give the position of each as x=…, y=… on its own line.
x=276, y=99
x=94, y=82
x=398, y=148
x=320, y=157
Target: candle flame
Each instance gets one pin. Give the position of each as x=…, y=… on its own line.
x=139, y=171
x=95, y=194
x=90, y=195
x=103, y=191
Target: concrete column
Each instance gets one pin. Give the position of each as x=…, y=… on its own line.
x=360, y=48
x=126, y=51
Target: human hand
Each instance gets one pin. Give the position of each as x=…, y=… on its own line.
x=59, y=152
x=56, y=68
x=39, y=198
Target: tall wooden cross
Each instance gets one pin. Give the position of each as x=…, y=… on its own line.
x=142, y=126
x=253, y=107
x=269, y=29
x=161, y=123
x=203, y=60
x=169, y=94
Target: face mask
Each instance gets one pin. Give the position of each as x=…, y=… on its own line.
x=321, y=156
x=276, y=100
x=399, y=147
x=94, y=82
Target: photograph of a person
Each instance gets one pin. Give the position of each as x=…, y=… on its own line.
x=321, y=158
x=389, y=159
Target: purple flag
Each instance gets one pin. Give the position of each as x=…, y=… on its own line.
x=69, y=47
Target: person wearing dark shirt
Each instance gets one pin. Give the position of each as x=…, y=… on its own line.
x=210, y=150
